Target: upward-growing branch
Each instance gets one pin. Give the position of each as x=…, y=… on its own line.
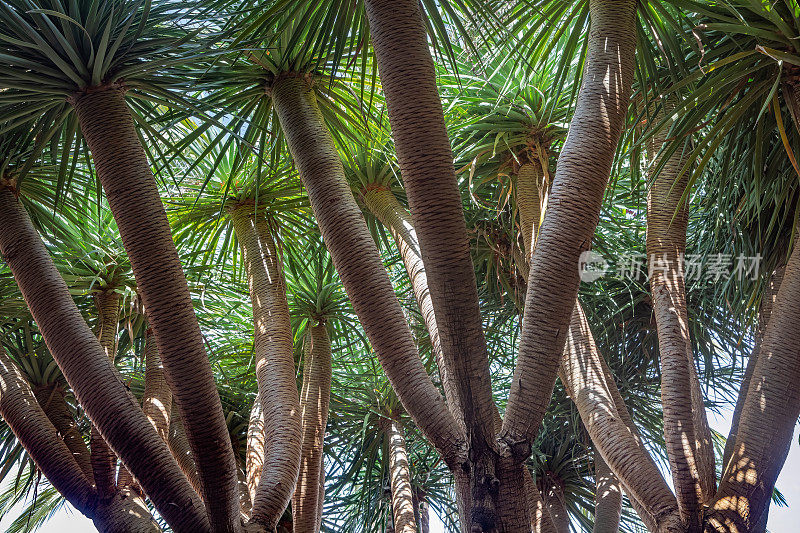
x=582, y=172
x=426, y=163
x=109, y=405
x=359, y=265
x=124, y=171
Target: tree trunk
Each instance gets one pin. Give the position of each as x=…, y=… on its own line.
x=607, y=497
x=39, y=437
x=254, y=461
x=125, y=174
x=54, y=404
x=556, y=505
x=581, y=176
x=157, y=400
x=408, y=79
x=104, y=462
x=424, y=517
x=179, y=446
x=400, y=478
x=314, y=402
x=529, y=188
x=359, y=264
x=97, y=386
x=275, y=371
x=686, y=431
x=384, y=205
x=768, y=416
x=124, y=512
x=584, y=377
x=768, y=296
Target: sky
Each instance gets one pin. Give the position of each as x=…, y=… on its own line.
x=781, y=519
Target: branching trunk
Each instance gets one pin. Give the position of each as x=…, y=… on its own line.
x=582, y=172
x=584, y=377
x=607, y=497
x=124, y=172
x=359, y=264
x=104, y=462
x=109, y=405
x=400, y=478
x=39, y=437
x=275, y=371
x=769, y=414
x=384, y=205
x=314, y=401
x=54, y=404
x=686, y=431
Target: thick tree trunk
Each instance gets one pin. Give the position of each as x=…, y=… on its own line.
x=275, y=371
x=54, y=404
x=254, y=462
x=607, y=497
x=314, y=401
x=359, y=264
x=400, y=478
x=408, y=79
x=124, y=512
x=582, y=172
x=686, y=431
x=97, y=386
x=104, y=462
x=130, y=188
x=583, y=375
x=25, y=417
x=384, y=205
x=768, y=417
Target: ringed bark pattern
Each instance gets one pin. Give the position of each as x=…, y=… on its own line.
x=126, y=177
x=582, y=173
x=90, y=374
x=359, y=264
x=274, y=360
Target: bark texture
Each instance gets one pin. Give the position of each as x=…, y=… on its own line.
x=556, y=505
x=53, y=401
x=528, y=195
x=254, y=461
x=400, y=479
x=359, y=265
x=130, y=188
x=274, y=359
x=107, y=402
x=607, y=497
x=314, y=401
x=688, y=437
x=24, y=415
x=769, y=414
x=104, y=462
x=157, y=400
x=582, y=172
x=584, y=377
